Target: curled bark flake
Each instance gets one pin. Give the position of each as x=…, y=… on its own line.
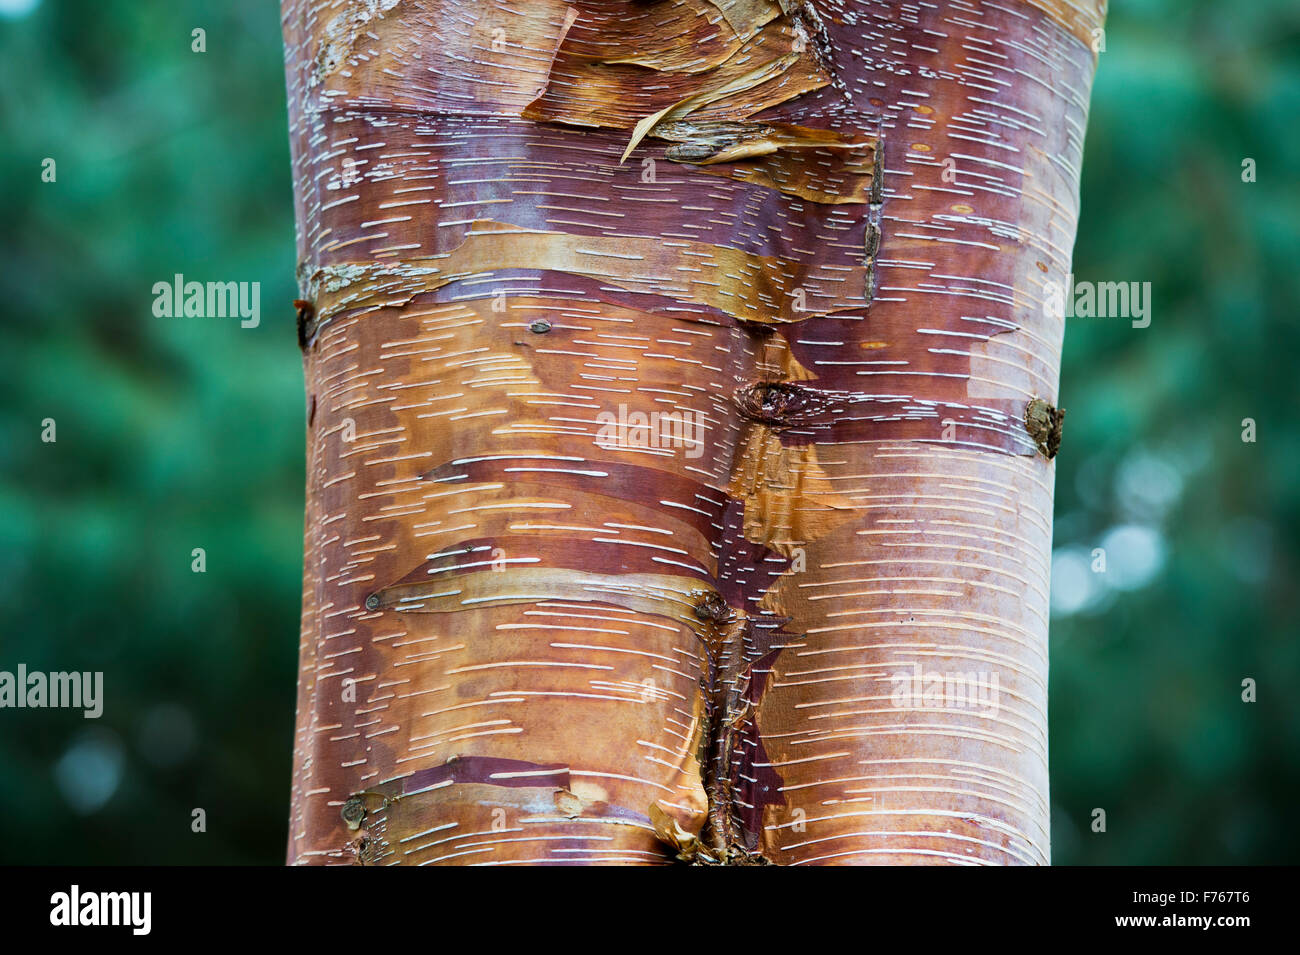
x=749, y=80
x=598, y=77
x=687, y=844
x=714, y=142
x=821, y=165
x=746, y=286
x=788, y=499
x=745, y=16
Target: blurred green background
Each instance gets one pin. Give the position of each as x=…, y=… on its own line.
x=174, y=161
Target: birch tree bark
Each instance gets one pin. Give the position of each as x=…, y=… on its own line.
x=681, y=400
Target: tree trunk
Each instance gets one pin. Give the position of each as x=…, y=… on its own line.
x=680, y=412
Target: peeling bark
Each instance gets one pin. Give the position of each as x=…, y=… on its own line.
x=682, y=412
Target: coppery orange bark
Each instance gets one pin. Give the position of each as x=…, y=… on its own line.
x=681, y=399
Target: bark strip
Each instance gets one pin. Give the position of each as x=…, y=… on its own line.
x=679, y=479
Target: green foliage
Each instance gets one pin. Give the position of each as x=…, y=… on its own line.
x=173, y=435
x=1147, y=718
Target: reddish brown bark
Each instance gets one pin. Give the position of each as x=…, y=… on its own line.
x=537, y=632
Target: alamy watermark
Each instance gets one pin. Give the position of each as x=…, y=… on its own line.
x=655, y=430
x=940, y=690
x=179, y=298
x=1099, y=300
x=59, y=690
x=78, y=908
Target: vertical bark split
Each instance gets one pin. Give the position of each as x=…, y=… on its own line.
x=682, y=396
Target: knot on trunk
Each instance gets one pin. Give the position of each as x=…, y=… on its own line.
x=776, y=403
x=712, y=608
x=1044, y=422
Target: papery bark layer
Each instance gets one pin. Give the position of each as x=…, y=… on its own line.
x=682, y=506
